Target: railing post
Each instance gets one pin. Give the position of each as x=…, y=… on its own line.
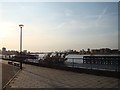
x=73, y=62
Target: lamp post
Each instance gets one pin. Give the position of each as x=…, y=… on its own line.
x=21, y=25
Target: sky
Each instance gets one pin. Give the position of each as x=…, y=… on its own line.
x=59, y=0
x=59, y=26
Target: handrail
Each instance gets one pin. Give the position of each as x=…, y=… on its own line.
x=94, y=64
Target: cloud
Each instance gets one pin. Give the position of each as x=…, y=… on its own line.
x=100, y=16
x=59, y=26
x=103, y=12
x=68, y=12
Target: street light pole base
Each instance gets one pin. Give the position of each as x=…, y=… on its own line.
x=21, y=65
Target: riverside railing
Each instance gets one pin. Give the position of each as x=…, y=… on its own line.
x=102, y=63
x=111, y=63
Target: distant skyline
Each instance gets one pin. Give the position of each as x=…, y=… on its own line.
x=58, y=26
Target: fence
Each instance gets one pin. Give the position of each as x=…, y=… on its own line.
x=106, y=64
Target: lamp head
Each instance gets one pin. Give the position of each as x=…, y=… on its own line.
x=21, y=25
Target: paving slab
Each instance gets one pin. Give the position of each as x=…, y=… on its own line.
x=41, y=77
x=7, y=72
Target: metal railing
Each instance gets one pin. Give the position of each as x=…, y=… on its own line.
x=79, y=63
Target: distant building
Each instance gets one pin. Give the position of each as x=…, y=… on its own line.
x=82, y=51
x=105, y=51
x=88, y=51
x=95, y=51
x=0, y=52
x=3, y=50
x=116, y=51
x=24, y=51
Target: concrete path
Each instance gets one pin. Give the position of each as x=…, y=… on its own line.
x=40, y=77
x=0, y=74
x=7, y=72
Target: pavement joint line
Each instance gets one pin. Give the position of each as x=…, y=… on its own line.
x=10, y=80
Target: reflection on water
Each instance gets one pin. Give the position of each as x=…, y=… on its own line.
x=74, y=58
x=77, y=58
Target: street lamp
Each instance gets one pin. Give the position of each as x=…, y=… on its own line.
x=21, y=25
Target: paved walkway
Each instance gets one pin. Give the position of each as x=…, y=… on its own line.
x=40, y=77
x=0, y=74
x=7, y=72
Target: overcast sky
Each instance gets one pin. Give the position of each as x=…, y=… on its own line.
x=59, y=26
